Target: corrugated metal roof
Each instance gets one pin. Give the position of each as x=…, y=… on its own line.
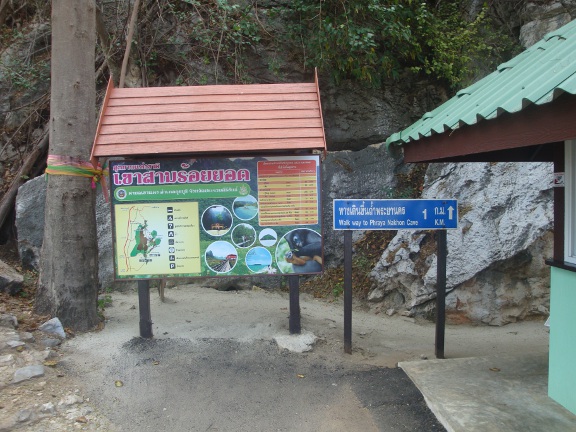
x=536, y=76
x=210, y=119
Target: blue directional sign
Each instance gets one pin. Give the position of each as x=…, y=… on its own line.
x=395, y=214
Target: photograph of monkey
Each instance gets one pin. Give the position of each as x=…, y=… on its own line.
x=302, y=249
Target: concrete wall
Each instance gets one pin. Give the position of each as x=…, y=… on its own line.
x=562, y=373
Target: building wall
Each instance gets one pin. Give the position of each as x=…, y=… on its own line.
x=562, y=373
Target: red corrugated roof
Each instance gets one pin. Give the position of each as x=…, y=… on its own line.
x=210, y=119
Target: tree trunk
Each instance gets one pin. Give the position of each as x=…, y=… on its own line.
x=68, y=282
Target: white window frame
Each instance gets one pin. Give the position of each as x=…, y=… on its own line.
x=570, y=202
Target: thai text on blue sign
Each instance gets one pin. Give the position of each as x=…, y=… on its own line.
x=395, y=214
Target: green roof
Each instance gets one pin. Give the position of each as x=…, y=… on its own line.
x=536, y=76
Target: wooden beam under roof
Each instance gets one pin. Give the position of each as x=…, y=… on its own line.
x=523, y=136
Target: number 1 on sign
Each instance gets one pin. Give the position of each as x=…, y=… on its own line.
x=425, y=213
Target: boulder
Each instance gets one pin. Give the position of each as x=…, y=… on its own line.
x=30, y=204
x=10, y=280
x=53, y=327
x=495, y=266
x=105, y=245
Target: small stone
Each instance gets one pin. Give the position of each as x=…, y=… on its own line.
x=297, y=343
x=49, y=354
x=39, y=386
x=50, y=342
x=7, y=360
x=406, y=313
x=376, y=295
x=81, y=419
x=53, y=326
x=27, y=373
x=48, y=408
x=10, y=279
x=27, y=337
x=24, y=415
x=390, y=312
x=15, y=344
x=86, y=410
x=7, y=320
x=70, y=400
x=423, y=357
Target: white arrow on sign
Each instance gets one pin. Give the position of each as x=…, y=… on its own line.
x=450, y=211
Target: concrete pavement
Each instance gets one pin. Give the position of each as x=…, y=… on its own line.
x=502, y=393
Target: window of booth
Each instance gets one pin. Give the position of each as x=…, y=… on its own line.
x=570, y=190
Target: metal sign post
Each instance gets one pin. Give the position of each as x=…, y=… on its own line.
x=379, y=214
x=440, y=293
x=144, y=307
x=294, y=320
x=348, y=292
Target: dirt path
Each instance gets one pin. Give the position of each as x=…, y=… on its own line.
x=214, y=365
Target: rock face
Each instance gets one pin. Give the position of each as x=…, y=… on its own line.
x=356, y=116
x=543, y=17
x=346, y=174
x=495, y=268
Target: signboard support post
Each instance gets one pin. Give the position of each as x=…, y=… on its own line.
x=294, y=321
x=441, y=293
x=144, y=307
x=396, y=214
x=348, y=291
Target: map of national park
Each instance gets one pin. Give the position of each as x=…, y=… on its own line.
x=157, y=238
x=145, y=241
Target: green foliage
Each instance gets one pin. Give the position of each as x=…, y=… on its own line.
x=338, y=289
x=372, y=40
x=104, y=301
x=219, y=31
x=208, y=41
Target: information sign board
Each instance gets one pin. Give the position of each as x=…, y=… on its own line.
x=216, y=216
x=395, y=214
